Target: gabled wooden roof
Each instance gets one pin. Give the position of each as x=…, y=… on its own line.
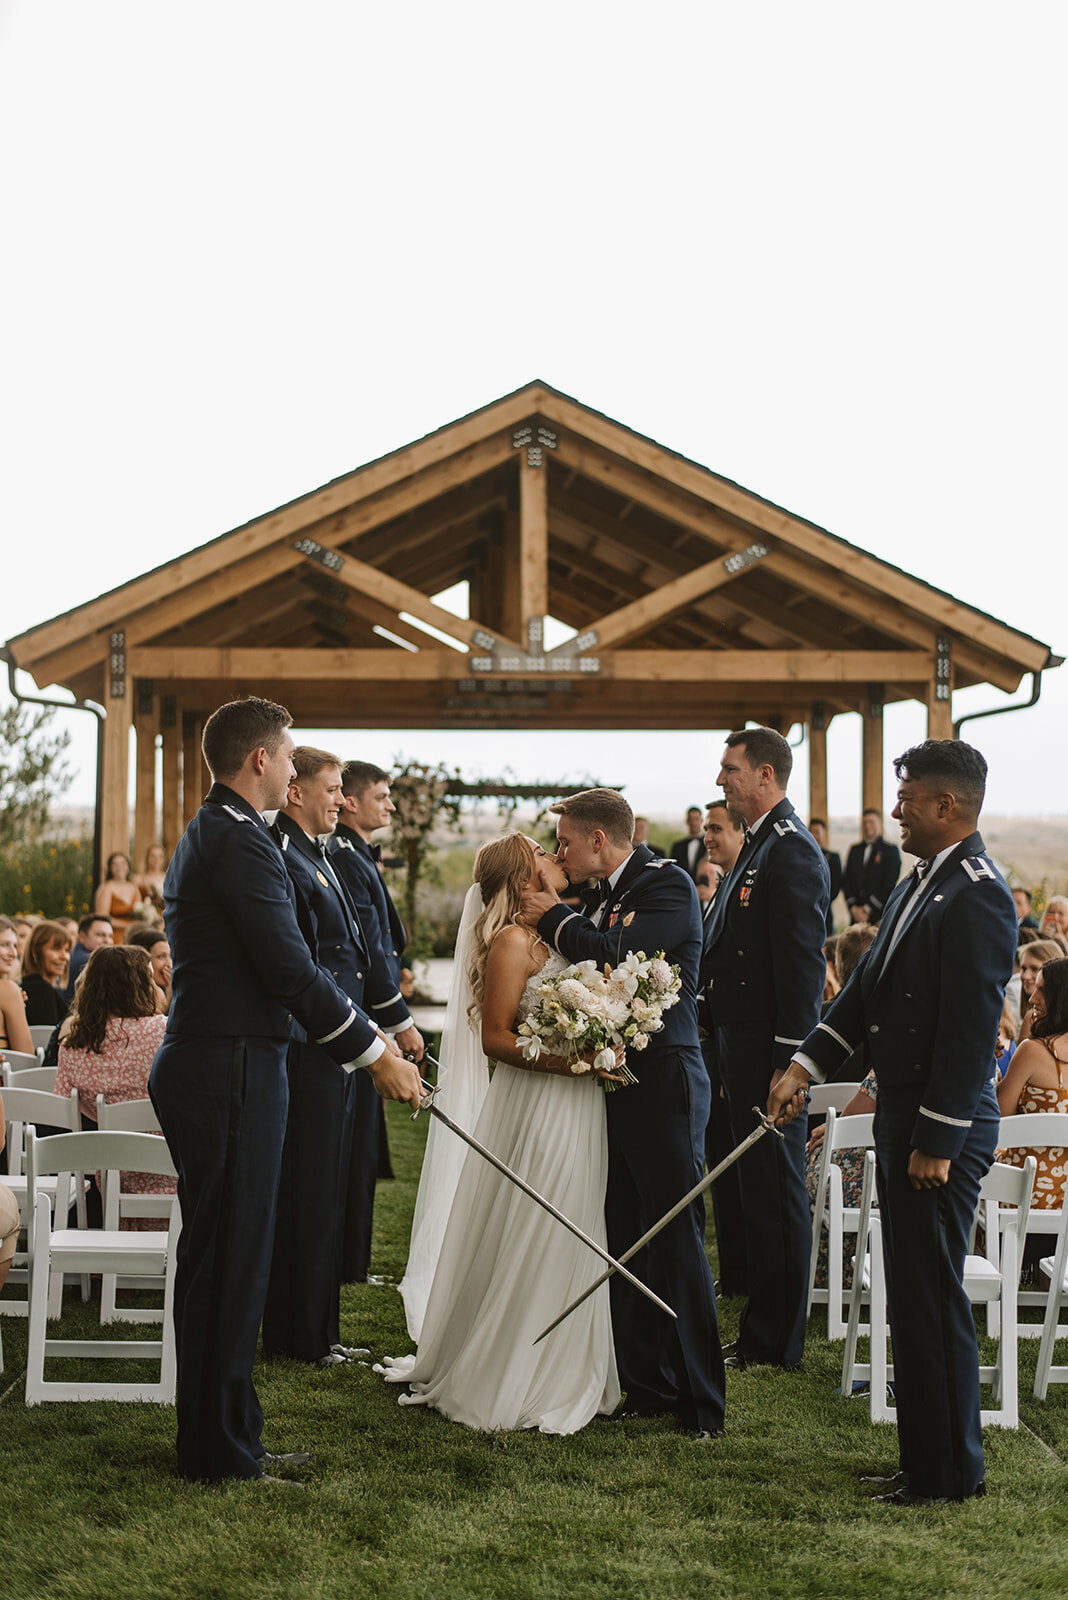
x=694, y=601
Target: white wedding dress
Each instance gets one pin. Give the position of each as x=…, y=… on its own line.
x=506, y=1268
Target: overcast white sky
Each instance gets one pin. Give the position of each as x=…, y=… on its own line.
x=819, y=248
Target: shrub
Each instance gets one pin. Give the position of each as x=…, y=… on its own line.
x=51, y=877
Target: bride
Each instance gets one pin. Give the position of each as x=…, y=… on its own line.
x=488, y=1267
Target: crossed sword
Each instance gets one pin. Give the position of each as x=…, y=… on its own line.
x=429, y=1103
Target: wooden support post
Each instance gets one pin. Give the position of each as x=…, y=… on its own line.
x=146, y=718
x=872, y=751
x=817, y=762
x=940, y=692
x=171, y=823
x=533, y=546
x=193, y=789
x=118, y=704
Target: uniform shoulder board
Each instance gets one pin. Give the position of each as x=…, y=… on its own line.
x=661, y=861
x=238, y=816
x=283, y=840
x=344, y=844
x=784, y=827
x=979, y=867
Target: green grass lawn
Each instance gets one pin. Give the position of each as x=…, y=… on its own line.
x=403, y=1505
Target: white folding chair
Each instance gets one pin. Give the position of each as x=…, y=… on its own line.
x=133, y=1116
x=824, y=1097
x=23, y=1109
x=1056, y=1269
x=61, y=1250
x=840, y=1133
x=17, y=1061
x=1032, y=1130
x=35, y=1077
x=984, y=1282
x=40, y=1033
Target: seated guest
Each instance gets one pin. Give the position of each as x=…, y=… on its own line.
x=24, y=926
x=114, y=1034
x=1034, y=1081
x=1022, y=899
x=1033, y=958
x=93, y=931
x=9, y=1213
x=149, y=880
x=831, y=987
x=118, y=897
x=10, y=953
x=43, y=966
x=14, y=1031
x=1054, y=922
x=709, y=878
x=154, y=940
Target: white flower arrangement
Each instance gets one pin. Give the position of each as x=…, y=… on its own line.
x=584, y=1011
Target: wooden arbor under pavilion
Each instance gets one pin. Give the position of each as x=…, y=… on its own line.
x=693, y=602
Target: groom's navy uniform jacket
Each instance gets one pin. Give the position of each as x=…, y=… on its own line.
x=243, y=970
x=300, y=1318
x=655, y=1139
x=925, y=1003
x=763, y=971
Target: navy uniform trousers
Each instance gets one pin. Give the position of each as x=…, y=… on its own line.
x=925, y=1240
x=726, y=1191
x=223, y=1103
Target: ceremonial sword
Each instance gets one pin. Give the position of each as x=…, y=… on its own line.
x=658, y=1227
x=428, y=1104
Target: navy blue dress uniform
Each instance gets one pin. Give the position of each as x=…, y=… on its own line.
x=243, y=970
x=300, y=1318
x=655, y=1136
x=763, y=973
x=925, y=1004
x=871, y=872
x=356, y=864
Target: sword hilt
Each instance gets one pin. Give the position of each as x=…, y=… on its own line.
x=429, y=1095
x=767, y=1124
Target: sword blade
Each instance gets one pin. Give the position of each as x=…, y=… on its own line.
x=669, y=1216
x=547, y=1205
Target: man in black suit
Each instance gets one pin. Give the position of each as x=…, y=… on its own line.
x=243, y=969
x=925, y=1003
x=1022, y=899
x=365, y=808
x=300, y=1318
x=641, y=835
x=655, y=1127
x=817, y=827
x=871, y=871
x=690, y=852
x=764, y=971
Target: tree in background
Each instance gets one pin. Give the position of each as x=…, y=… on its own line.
x=33, y=772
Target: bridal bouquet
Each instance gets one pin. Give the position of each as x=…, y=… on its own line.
x=586, y=1009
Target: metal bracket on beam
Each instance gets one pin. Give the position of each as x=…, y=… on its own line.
x=168, y=711
x=740, y=559
x=819, y=716
x=144, y=689
x=534, y=440
x=117, y=663
x=943, y=686
x=483, y=640
x=876, y=699
x=315, y=552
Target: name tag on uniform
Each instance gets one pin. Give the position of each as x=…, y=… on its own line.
x=322, y=878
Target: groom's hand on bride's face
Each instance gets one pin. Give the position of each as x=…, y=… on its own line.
x=538, y=899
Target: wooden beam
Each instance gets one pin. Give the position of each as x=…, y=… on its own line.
x=193, y=787
x=765, y=666
x=171, y=809
x=816, y=728
x=145, y=719
x=687, y=476
x=939, y=694
x=365, y=579
x=632, y=620
x=823, y=577
x=453, y=455
x=872, y=752
x=118, y=705
x=533, y=572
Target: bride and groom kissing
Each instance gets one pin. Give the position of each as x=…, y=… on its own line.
x=488, y=1269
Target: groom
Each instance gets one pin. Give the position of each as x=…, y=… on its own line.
x=655, y=1126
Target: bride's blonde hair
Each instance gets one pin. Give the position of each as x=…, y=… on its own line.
x=502, y=870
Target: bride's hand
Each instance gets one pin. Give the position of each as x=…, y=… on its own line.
x=537, y=901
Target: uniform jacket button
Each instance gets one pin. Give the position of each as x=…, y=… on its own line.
x=359, y=975
x=874, y=1028
x=918, y=1067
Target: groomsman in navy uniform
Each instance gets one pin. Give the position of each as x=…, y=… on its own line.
x=243, y=969
x=300, y=1318
x=925, y=1004
x=656, y=1126
x=872, y=868
x=366, y=807
x=763, y=972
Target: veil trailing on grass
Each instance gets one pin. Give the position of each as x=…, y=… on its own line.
x=463, y=1080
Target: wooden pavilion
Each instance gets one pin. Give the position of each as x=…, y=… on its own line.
x=693, y=602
